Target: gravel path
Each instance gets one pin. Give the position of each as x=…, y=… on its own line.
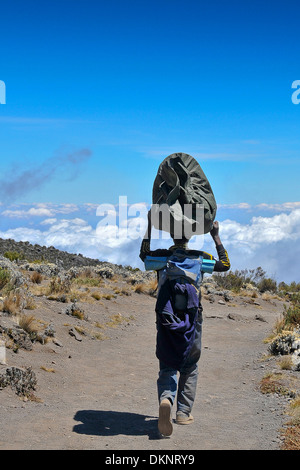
x=102, y=394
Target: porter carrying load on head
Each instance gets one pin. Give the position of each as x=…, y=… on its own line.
x=182, y=198
x=179, y=188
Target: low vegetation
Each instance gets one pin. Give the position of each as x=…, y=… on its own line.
x=14, y=255
x=4, y=277
x=291, y=432
x=240, y=279
x=86, y=285
x=36, y=277
x=286, y=333
x=149, y=287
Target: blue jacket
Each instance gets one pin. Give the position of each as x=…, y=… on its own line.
x=175, y=330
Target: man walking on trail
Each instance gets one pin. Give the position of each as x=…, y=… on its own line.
x=179, y=323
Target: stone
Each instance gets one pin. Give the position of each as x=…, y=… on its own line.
x=296, y=359
x=296, y=344
x=260, y=318
x=227, y=296
x=234, y=316
x=73, y=332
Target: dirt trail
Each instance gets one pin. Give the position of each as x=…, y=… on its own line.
x=102, y=394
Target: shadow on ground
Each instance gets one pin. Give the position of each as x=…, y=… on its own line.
x=112, y=423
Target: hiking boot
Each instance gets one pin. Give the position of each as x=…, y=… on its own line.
x=165, y=426
x=182, y=418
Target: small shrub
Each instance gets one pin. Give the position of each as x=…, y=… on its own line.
x=230, y=281
x=285, y=363
x=291, y=436
x=36, y=277
x=121, y=291
x=58, y=298
x=282, y=343
x=28, y=323
x=57, y=286
x=81, y=330
x=294, y=411
x=270, y=383
x=266, y=296
x=139, y=288
x=108, y=296
x=291, y=432
x=116, y=320
x=152, y=286
x=88, y=281
x=14, y=255
x=96, y=296
x=99, y=335
x=238, y=279
x=12, y=303
x=293, y=287
x=78, y=314
x=41, y=260
x=4, y=277
x=292, y=315
x=29, y=303
x=131, y=269
x=31, y=325
x=267, y=284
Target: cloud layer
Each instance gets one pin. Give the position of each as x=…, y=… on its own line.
x=272, y=241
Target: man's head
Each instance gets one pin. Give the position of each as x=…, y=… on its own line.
x=180, y=242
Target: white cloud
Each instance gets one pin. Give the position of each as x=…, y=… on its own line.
x=283, y=207
x=34, y=211
x=240, y=205
x=270, y=242
x=40, y=210
x=77, y=236
x=48, y=221
x=64, y=208
x=286, y=206
x=263, y=230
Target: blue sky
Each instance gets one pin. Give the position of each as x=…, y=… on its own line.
x=98, y=93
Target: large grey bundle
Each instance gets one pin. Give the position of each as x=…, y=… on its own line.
x=184, y=197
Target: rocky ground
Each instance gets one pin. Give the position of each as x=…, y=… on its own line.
x=81, y=370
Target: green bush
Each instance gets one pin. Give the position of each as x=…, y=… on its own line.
x=291, y=314
x=14, y=255
x=229, y=281
x=267, y=284
x=291, y=289
x=236, y=280
x=4, y=277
